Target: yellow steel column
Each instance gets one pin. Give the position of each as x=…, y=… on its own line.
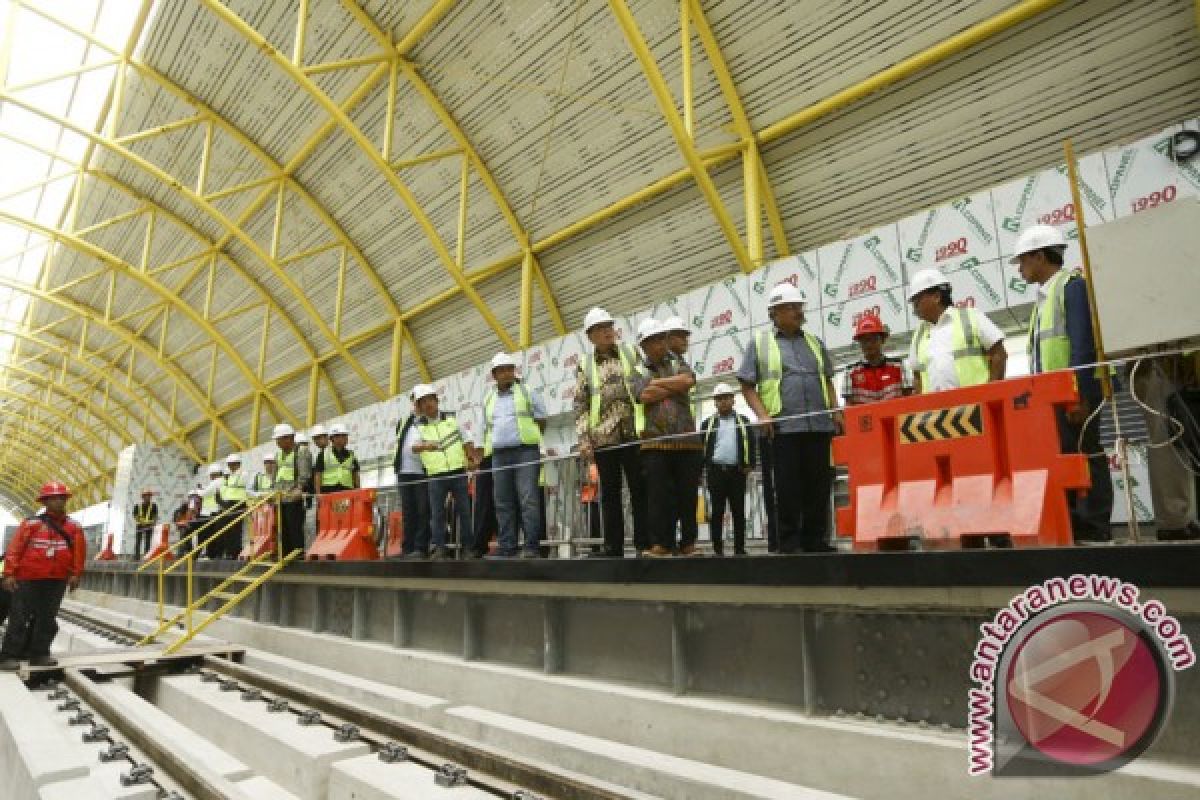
x=527, y=300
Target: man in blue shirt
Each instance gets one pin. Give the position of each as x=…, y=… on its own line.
x=513, y=420
x=1060, y=337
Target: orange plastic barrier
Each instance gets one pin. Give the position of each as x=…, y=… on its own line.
x=951, y=467
x=163, y=546
x=345, y=527
x=262, y=532
x=107, y=553
x=395, y=537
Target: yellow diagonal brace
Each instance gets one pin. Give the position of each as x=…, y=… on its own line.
x=85, y=247
x=145, y=348
x=741, y=122
x=464, y=145
x=296, y=188
x=666, y=105
x=348, y=127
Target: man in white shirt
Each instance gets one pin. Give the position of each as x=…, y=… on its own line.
x=951, y=347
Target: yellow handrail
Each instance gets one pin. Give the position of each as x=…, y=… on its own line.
x=172, y=547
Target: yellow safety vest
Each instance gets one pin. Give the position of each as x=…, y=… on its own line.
x=450, y=454
x=629, y=362
x=970, y=360
x=287, y=466
x=209, y=505
x=233, y=488
x=770, y=369
x=341, y=474
x=144, y=514
x=527, y=426
x=263, y=482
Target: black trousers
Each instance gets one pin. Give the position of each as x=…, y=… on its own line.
x=414, y=504
x=803, y=490
x=1091, y=512
x=484, y=522
x=672, y=477
x=32, y=625
x=768, y=491
x=611, y=463
x=291, y=525
x=727, y=485
x=228, y=545
x=5, y=604
x=142, y=539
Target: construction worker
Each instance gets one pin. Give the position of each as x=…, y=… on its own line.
x=145, y=517
x=678, y=337
x=264, y=482
x=729, y=456
x=410, y=483
x=1060, y=337
x=670, y=452
x=295, y=470
x=210, y=506
x=232, y=498
x=45, y=557
x=303, y=447
x=444, y=457
x=786, y=372
x=514, y=417
x=336, y=468
x=605, y=408
x=320, y=440
x=952, y=347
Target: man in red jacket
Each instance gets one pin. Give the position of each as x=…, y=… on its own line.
x=45, y=557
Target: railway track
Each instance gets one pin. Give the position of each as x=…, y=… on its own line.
x=443, y=760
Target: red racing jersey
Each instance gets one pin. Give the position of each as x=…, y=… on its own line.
x=866, y=383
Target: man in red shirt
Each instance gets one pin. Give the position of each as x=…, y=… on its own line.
x=876, y=377
x=45, y=557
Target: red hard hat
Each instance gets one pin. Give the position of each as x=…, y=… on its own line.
x=869, y=324
x=53, y=489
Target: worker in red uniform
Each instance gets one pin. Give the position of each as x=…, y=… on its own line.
x=44, y=558
x=876, y=377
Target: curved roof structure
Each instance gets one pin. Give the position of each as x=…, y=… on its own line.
x=235, y=213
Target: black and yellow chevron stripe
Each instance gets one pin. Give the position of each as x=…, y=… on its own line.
x=945, y=423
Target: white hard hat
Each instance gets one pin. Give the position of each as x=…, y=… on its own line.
x=338, y=429
x=301, y=438
x=281, y=430
x=503, y=360
x=722, y=388
x=195, y=493
x=675, y=324
x=422, y=390
x=596, y=316
x=925, y=280
x=233, y=458
x=269, y=457
x=785, y=293
x=215, y=469
x=649, y=327
x=1036, y=238
x=318, y=430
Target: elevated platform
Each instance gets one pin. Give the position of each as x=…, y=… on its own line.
x=879, y=636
